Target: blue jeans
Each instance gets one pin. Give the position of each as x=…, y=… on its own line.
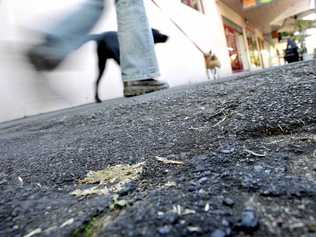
x=137, y=53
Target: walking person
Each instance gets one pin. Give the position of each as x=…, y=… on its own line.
x=291, y=52
x=138, y=60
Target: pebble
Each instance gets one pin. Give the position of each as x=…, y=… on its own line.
x=129, y=188
x=227, y=149
x=192, y=189
x=268, y=172
x=219, y=233
x=258, y=168
x=228, y=202
x=203, y=180
x=203, y=194
x=225, y=223
x=199, y=162
x=164, y=230
x=249, y=221
x=170, y=217
x=3, y=181
x=312, y=228
x=271, y=191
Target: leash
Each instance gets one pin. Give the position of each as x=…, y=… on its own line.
x=179, y=28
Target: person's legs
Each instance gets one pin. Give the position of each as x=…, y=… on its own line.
x=137, y=53
x=66, y=35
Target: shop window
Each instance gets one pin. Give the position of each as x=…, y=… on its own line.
x=196, y=4
x=254, y=51
x=235, y=43
x=233, y=49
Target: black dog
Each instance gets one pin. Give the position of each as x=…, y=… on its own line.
x=108, y=48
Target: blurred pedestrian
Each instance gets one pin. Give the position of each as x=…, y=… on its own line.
x=138, y=60
x=291, y=52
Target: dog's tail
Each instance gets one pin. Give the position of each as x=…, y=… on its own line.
x=94, y=36
x=91, y=37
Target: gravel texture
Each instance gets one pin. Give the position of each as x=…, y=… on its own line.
x=234, y=157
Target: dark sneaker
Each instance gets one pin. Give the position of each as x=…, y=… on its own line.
x=141, y=87
x=41, y=60
x=44, y=56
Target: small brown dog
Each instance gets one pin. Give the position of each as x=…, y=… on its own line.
x=211, y=64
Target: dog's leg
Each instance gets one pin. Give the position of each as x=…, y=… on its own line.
x=208, y=74
x=215, y=74
x=102, y=58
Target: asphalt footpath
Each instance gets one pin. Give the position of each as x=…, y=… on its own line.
x=231, y=157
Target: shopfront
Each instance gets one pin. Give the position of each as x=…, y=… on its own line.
x=254, y=51
x=235, y=44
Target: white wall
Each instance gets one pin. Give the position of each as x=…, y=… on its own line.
x=24, y=92
x=310, y=41
x=215, y=27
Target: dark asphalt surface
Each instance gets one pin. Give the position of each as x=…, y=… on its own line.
x=248, y=147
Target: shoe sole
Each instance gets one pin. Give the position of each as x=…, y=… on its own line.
x=141, y=90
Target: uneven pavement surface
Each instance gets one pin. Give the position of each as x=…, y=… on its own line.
x=230, y=158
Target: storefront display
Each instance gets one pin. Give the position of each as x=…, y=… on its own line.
x=254, y=52
x=232, y=43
